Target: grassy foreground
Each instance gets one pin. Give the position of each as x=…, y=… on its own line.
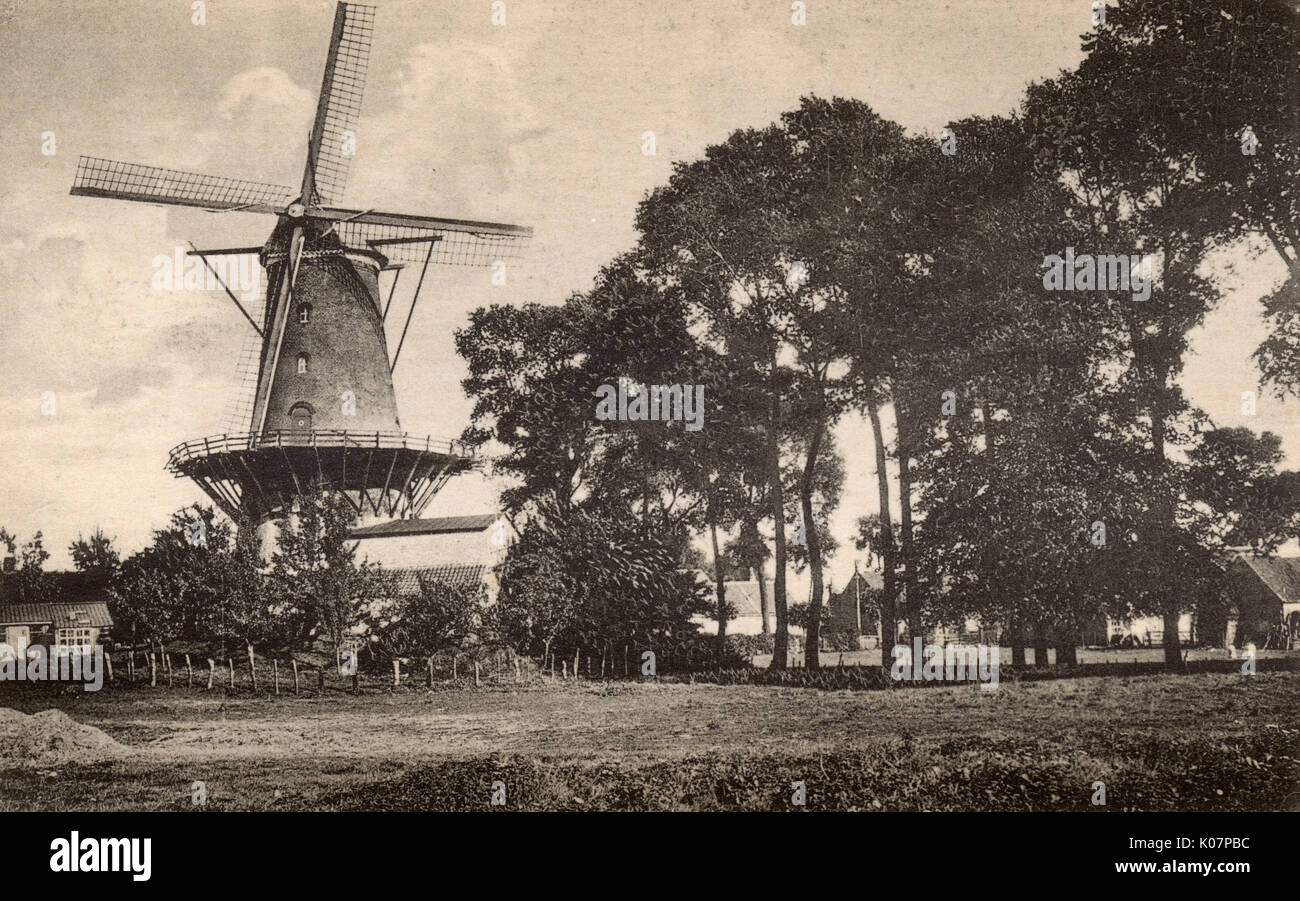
x=1167, y=742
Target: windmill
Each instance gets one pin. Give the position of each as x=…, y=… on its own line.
x=321, y=409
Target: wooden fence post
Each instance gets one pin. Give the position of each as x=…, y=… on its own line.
x=476, y=674
x=108, y=664
x=397, y=673
x=453, y=667
x=516, y=670
x=338, y=660
x=231, y=661
x=564, y=669
x=252, y=668
x=625, y=661
x=212, y=672
x=167, y=665
x=321, y=676
x=130, y=665
x=576, y=652
x=295, y=677
x=429, y=678
x=189, y=672
x=153, y=670
x=275, y=674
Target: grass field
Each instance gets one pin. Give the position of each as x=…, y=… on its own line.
x=1202, y=741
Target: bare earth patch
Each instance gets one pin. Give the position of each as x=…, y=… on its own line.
x=274, y=753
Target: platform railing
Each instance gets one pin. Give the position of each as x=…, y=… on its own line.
x=221, y=444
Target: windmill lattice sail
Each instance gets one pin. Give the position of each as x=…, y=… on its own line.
x=153, y=184
x=341, y=92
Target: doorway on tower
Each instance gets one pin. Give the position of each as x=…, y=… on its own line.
x=300, y=416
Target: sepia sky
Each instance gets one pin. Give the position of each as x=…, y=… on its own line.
x=539, y=122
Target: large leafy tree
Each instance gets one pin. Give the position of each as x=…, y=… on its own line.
x=592, y=581
x=319, y=590
x=175, y=588
x=95, y=555
x=722, y=232
x=1135, y=165
x=1234, y=494
x=1221, y=81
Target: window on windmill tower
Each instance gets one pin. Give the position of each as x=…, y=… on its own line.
x=303, y=362
x=304, y=313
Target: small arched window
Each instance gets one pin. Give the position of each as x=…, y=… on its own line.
x=303, y=363
x=304, y=313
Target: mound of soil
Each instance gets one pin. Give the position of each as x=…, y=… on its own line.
x=51, y=737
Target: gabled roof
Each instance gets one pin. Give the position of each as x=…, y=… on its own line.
x=407, y=579
x=1280, y=574
x=441, y=525
x=861, y=582
x=92, y=615
x=744, y=597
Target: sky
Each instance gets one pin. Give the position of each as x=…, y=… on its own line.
x=538, y=121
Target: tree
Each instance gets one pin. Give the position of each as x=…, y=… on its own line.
x=96, y=558
x=1234, y=496
x=1219, y=78
x=590, y=580
x=95, y=554
x=532, y=396
x=1144, y=192
x=314, y=576
x=176, y=587
x=34, y=584
x=439, y=616
x=720, y=233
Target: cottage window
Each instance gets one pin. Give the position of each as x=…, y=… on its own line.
x=304, y=313
x=73, y=638
x=303, y=361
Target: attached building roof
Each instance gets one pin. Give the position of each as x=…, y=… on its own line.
x=1280, y=574
x=440, y=525
x=407, y=580
x=92, y=615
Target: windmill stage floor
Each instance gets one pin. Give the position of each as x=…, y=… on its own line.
x=1202, y=741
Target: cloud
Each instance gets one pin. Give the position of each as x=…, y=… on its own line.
x=261, y=90
x=116, y=386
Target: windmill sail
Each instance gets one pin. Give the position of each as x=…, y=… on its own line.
x=153, y=184
x=239, y=407
x=339, y=107
x=409, y=244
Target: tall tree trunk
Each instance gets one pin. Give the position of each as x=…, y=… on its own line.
x=719, y=579
x=910, y=596
x=1040, y=644
x=1169, y=603
x=781, y=644
x=812, y=647
x=749, y=533
x=1013, y=626
x=888, y=612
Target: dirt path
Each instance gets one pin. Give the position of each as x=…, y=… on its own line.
x=656, y=721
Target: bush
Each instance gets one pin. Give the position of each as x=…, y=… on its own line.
x=750, y=646
x=841, y=639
